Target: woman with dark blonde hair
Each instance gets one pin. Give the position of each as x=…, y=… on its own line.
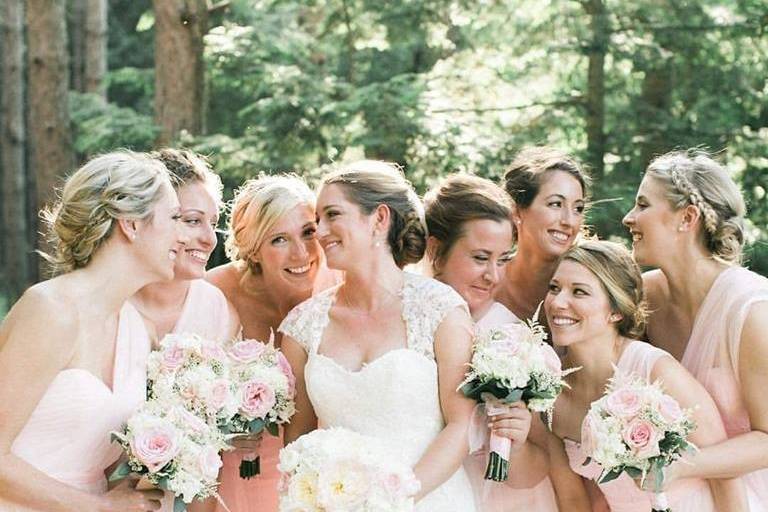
x=73, y=351
x=383, y=353
x=706, y=309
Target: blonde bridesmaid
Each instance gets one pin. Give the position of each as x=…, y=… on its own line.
x=73, y=351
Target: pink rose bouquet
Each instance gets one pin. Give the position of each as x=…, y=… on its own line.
x=338, y=469
x=636, y=428
x=264, y=388
x=194, y=372
x=173, y=449
x=510, y=363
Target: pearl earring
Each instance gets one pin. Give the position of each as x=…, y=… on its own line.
x=679, y=228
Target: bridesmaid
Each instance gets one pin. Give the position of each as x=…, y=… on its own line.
x=595, y=308
x=84, y=345
x=708, y=311
x=188, y=303
x=276, y=264
x=549, y=190
x=470, y=240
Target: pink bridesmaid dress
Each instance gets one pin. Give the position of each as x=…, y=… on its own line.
x=497, y=496
x=67, y=436
x=206, y=314
x=712, y=356
x=622, y=494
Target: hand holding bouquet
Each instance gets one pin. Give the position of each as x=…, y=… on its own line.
x=264, y=389
x=510, y=363
x=636, y=429
x=340, y=470
x=172, y=449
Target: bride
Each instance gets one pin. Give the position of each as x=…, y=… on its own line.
x=383, y=353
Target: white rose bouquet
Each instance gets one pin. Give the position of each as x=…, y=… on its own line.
x=264, y=387
x=340, y=470
x=513, y=362
x=173, y=449
x=636, y=429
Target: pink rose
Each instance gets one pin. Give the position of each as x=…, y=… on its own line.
x=246, y=351
x=211, y=350
x=155, y=447
x=624, y=403
x=172, y=358
x=642, y=438
x=209, y=463
x=194, y=423
x=670, y=409
x=218, y=395
x=257, y=399
x=285, y=367
x=552, y=360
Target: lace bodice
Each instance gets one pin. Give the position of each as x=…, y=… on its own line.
x=395, y=397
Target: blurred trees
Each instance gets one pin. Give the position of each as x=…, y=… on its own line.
x=440, y=86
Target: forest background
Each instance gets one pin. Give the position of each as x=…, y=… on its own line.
x=438, y=86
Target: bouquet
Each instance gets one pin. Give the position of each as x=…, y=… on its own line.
x=264, y=388
x=636, y=429
x=340, y=470
x=195, y=373
x=173, y=449
x=512, y=362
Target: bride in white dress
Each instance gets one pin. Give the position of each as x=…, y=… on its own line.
x=383, y=353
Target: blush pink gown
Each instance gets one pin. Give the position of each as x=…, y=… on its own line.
x=712, y=356
x=206, y=314
x=67, y=437
x=622, y=494
x=497, y=496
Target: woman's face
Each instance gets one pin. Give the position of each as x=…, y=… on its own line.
x=289, y=256
x=161, y=240
x=652, y=223
x=551, y=223
x=577, y=306
x=199, y=218
x=475, y=264
x=346, y=234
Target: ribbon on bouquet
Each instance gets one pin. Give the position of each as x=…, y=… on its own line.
x=659, y=502
x=479, y=434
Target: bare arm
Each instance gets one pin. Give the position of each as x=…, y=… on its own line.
x=304, y=420
x=569, y=487
x=728, y=493
x=29, y=348
x=453, y=349
x=516, y=425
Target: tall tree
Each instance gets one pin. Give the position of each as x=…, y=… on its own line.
x=95, y=68
x=50, y=155
x=179, y=67
x=76, y=32
x=595, y=98
x=16, y=249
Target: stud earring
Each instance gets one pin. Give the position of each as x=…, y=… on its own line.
x=680, y=228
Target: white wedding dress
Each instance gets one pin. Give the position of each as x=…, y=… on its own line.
x=395, y=397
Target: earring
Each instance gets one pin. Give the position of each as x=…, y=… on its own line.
x=680, y=227
x=377, y=243
x=133, y=236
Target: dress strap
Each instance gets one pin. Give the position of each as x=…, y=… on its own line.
x=306, y=322
x=639, y=358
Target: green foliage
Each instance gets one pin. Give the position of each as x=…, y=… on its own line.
x=100, y=126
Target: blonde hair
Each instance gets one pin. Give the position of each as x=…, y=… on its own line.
x=187, y=167
x=694, y=177
x=457, y=200
x=258, y=205
x=621, y=279
x=117, y=185
x=371, y=183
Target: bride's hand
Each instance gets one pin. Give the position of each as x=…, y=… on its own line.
x=125, y=498
x=512, y=422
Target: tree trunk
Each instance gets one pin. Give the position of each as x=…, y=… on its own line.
x=179, y=68
x=595, y=102
x=76, y=31
x=50, y=155
x=655, y=101
x=96, y=47
x=16, y=249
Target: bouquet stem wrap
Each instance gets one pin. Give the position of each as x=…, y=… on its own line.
x=659, y=502
x=250, y=466
x=498, y=447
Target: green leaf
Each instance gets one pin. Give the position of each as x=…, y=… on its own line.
x=513, y=396
x=607, y=477
x=120, y=472
x=256, y=426
x=633, y=472
x=273, y=429
x=179, y=505
x=146, y=22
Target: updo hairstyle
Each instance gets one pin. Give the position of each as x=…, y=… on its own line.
x=187, y=167
x=370, y=183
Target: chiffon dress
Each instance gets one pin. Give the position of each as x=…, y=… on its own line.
x=712, y=356
x=67, y=436
x=394, y=398
x=623, y=494
x=493, y=496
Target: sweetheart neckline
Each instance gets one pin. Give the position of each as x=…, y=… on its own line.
x=373, y=362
